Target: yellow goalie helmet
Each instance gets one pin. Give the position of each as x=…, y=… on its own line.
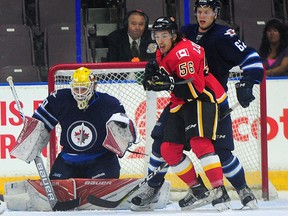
x=82, y=86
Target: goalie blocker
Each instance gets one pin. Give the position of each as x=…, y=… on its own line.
x=121, y=134
x=32, y=139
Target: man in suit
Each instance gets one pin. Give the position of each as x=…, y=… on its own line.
x=132, y=42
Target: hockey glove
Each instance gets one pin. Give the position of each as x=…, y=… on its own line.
x=244, y=93
x=151, y=69
x=160, y=83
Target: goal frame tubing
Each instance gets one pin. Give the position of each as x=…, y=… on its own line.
x=115, y=65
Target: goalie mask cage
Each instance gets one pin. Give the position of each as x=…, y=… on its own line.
x=123, y=80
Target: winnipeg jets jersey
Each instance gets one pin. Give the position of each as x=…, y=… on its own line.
x=83, y=131
x=225, y=50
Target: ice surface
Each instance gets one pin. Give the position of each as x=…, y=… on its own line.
x=276, y=207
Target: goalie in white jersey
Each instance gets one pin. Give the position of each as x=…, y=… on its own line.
x=95, y=130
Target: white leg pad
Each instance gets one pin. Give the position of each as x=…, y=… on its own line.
x=22, y=196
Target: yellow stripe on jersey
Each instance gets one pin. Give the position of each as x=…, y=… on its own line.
x=209, y=95
x=215, y=124
x=222, y=98
x=200, y=118
x=175, y=109
x=192, y=90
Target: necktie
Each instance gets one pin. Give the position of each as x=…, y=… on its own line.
x=134, y=49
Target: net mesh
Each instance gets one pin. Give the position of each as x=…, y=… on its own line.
x=145, y=108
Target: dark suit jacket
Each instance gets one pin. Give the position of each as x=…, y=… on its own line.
x=119, y=46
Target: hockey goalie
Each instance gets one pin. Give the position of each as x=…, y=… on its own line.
x=95, y=134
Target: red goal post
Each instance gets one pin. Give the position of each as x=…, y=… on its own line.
x=123, y=80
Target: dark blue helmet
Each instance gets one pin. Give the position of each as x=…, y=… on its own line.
x=215, y=4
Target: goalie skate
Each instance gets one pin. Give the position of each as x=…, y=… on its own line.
x=146, y=200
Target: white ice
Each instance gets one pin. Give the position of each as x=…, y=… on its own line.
x=277, y=207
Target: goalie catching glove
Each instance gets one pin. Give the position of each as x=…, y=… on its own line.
x=244, y=93
x=33, y=138
x=121, y=134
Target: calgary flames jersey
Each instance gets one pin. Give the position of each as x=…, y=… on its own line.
x=186, y=61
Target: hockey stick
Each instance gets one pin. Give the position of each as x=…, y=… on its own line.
x=52, y=199
x=113, y=204
x=175, y=83
x=224, y=115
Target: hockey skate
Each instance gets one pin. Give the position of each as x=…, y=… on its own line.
x=221, y=199
x=196, y=197
x=146, y=200
x=247, y=198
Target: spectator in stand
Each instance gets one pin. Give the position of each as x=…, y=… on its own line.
x=274, y=48
x=132, y=42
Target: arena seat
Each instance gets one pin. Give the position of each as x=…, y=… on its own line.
x=20, y=73
x=252, y=9
x=12, y=12
x=251, y=31
x=49, y=12
x=16, y=42
x=60, y=44
x=251, y=18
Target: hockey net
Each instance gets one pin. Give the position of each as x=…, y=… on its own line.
x=123, y=80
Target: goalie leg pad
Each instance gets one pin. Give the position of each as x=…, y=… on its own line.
x=32, y=139
x=29, y=195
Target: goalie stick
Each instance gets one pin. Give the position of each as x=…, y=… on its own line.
x=113, y=204
x=47, y=185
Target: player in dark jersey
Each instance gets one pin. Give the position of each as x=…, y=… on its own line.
x=82, y=113
x=193, y=117
x=223, y=51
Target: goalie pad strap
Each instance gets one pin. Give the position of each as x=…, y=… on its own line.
x=32, y=139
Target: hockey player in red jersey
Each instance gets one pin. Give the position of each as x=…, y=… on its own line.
x=193, y=117
x=223, y=51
